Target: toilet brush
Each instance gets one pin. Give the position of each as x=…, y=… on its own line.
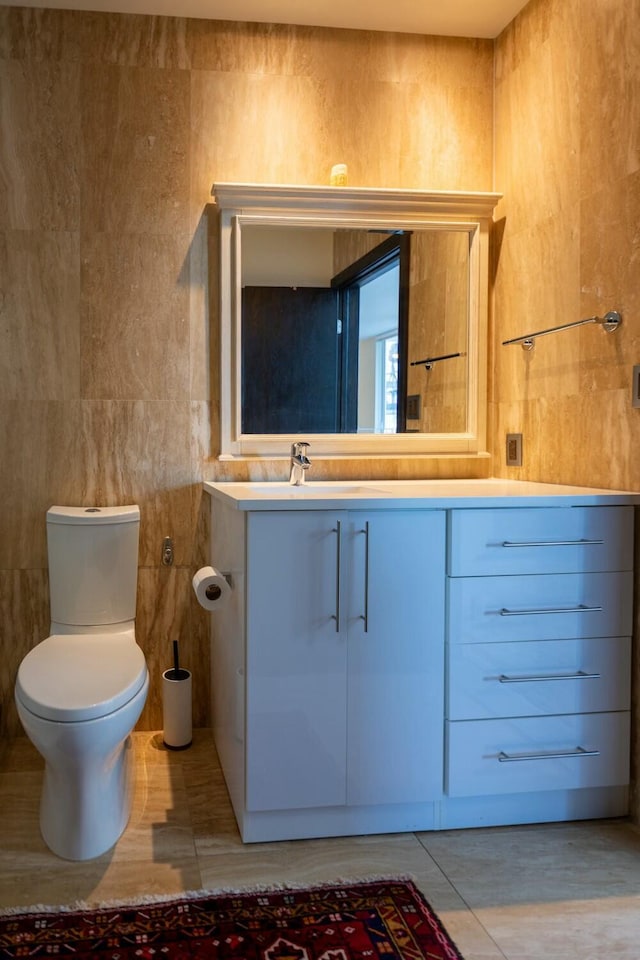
x=176, y=705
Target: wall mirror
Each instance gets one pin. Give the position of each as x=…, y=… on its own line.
x=353, y=318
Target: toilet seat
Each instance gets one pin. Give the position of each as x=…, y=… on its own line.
x=75, y=677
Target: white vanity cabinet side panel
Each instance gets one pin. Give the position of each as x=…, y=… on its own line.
x=543, y=607
x=227, y=552
x=488, y=680
x=395, y=729
x=475, y=748
x=540, y=540
x=296, y=672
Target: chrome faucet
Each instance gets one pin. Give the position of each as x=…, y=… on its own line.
x=300, y=463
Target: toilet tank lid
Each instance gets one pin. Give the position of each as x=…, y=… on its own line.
x=128, y=514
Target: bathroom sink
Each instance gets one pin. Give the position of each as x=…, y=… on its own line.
x=280, y=489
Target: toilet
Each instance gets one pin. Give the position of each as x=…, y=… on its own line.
x=80, y=692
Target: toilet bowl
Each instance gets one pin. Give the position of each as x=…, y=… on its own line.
x=78, y=698
x=80, y=692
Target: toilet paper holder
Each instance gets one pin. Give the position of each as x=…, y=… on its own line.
x=213, y=591
x=211, y=587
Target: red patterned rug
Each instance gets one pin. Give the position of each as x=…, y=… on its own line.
x=377, y=920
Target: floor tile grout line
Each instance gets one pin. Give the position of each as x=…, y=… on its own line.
x=462, y=898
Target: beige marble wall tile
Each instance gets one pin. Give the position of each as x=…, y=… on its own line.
x=131, y=40
x=135, y=317
x=537, y=113
x=388, y=134
x=609, y=265
x=39, y=314
x=284, y=49
x=39, y=145
x=135, y=130
x=201, y=317
x=24, y=482
x=609, y=91
x=42, y=34
x=117, y=452
x=24, y=614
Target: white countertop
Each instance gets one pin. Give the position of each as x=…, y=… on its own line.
x=410, y=494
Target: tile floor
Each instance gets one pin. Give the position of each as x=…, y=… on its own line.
x=558, y=892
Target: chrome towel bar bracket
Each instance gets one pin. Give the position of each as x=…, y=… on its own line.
x=610, y=322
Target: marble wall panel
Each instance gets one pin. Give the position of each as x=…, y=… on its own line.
x=30, y=34
x=537, y=113
x=135, y=317
x=135, y=130
x=39, y=145
x=202, y=357
x=116, y=452
x=24, y=613
x=39, y=315
x=609, y=83
x=24, y=484
x=536, y=286
x=354, y=55
x=132, y=40
x=301, y=126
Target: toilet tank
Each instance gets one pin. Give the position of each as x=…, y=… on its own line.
x=93, y=564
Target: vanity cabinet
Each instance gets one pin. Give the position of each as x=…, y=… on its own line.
x=394, y=662
x=344, y=658
x=538, y=652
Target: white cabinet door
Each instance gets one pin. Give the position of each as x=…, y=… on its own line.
x=395, y=614
x=296, y=669
x=345, y=658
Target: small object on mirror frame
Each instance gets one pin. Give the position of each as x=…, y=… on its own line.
x=338, y=176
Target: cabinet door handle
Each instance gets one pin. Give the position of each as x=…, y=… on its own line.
x=550, y=543
x=563, y=754
x=580, y=675
x=581, y=608
x=338, y=530
x=365, y=615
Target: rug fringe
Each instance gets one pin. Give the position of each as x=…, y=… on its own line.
x=139, y=900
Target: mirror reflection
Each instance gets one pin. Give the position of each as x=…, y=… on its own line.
x=353, y=330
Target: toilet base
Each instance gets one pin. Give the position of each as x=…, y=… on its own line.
x=83, y=815
x=87, y=791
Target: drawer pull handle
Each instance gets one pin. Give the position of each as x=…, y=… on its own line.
x=580, y=675
x=515, y=757
x=581, y=608
x=550, y=543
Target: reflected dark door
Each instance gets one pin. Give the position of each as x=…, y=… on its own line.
x=290, y=360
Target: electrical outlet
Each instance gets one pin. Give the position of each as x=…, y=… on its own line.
x=413, y=406
x=635, y=389
x=514, y=449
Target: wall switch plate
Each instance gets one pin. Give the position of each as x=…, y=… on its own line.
x=514, y=449
x=635, y=390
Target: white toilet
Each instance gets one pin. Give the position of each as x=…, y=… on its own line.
x=79, y=693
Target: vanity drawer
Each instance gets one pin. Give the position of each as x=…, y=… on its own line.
x=486, y=757
x=490, y=680
x=540, y=540
x=545, y=607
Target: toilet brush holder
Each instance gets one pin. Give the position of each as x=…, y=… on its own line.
x=176, y=709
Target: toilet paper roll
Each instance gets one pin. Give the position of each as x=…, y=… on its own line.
x=211, y=587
